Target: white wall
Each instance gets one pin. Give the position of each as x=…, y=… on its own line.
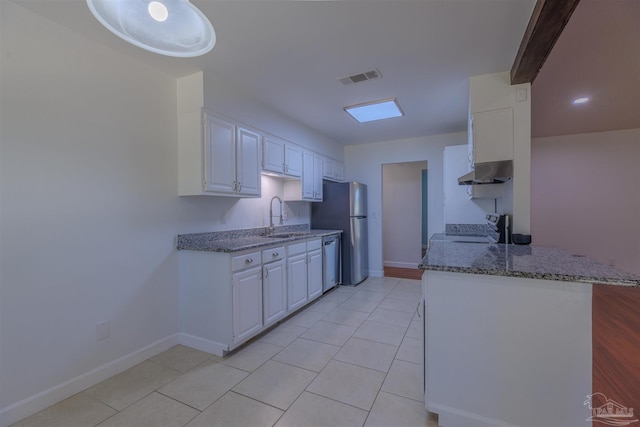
x=402, y=214
x=224, y=99
x=585, y=195
x=364, y=163
x=89, y=211
x=89, y=208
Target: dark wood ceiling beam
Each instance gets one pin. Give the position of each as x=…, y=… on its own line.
x=545, y=26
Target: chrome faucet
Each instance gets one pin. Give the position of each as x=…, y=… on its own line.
x=271, y=226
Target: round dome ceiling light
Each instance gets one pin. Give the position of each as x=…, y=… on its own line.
x=168, y=27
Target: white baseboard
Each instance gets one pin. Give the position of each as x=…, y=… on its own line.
x=39, y=401
x=412, y=265
x=202, y=344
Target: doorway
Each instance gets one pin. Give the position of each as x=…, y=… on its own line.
x=404, y=218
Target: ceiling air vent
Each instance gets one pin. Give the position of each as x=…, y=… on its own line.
x=362, y=77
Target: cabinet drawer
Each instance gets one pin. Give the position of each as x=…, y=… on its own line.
x=314, y=244
x=296, y=248
x=273, y=254
x=247, y=260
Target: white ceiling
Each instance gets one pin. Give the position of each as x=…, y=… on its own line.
x=290, y=54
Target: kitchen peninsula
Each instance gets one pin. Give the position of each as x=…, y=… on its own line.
x=508, y=336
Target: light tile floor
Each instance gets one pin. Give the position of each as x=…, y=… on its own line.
x=352, y=358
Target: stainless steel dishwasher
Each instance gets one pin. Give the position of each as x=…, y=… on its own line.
x=331, y=271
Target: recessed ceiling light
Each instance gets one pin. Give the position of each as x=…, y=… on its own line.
x=376, y=110
x=581, y=100
x=168, y=27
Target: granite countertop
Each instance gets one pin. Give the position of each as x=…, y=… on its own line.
x=535, y=262
x=243, y=239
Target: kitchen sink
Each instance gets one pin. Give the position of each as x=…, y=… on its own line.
x=287, y=235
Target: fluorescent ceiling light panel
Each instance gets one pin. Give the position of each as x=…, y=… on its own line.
x=581, y=100
x=376, y=110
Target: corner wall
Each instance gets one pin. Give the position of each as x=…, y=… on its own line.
x=402, y=214
x=89, y=210
x=585, y=195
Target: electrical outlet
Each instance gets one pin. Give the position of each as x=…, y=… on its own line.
x=521, y=94
x=102, y=330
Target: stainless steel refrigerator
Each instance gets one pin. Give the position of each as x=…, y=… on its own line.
x=344, y=207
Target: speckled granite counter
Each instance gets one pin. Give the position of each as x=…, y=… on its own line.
x=533, y=262
x=249, y=238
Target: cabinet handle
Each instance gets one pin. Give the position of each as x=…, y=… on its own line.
x=235, y=185
x=239, y=186
x=248, y=260
x=266, y=272
x=275, y=254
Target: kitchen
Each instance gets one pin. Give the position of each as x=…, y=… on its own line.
x=89, y=217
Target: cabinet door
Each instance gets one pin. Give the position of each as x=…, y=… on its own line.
x=274, y=291
x=248, y=162
x=220, y=155
x=339, y=171
x=297, y=281
x=293, y=160
x=247, y=303
x=273, y=155
x=317, y=177
x=329, y=169
x=308, y=177
x=493, y=135
x=314, y=274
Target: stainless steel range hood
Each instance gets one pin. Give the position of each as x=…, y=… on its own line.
x=488, y=173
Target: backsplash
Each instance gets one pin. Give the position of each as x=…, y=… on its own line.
x=468, y=229
x=198, y=239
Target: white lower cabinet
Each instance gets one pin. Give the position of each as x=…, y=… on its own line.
x=247, y=303
x=274, y=285
x=314, y=273
x=304, y=272
x=226, y=299
x=297, y=275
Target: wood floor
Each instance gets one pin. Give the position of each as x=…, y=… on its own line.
x=403, y=273
x=616, y=344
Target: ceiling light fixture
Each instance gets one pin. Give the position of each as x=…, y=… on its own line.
x=376, y=110
x=581, y=100
x=168, y=27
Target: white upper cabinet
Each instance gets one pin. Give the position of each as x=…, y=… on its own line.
x=273, y=154
x=333, y=170
x=492, y=136
x=218, y=157
x=318, y=162
x=282, y=157
x=248, y=162
x=309, y=188
x=293, y=160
